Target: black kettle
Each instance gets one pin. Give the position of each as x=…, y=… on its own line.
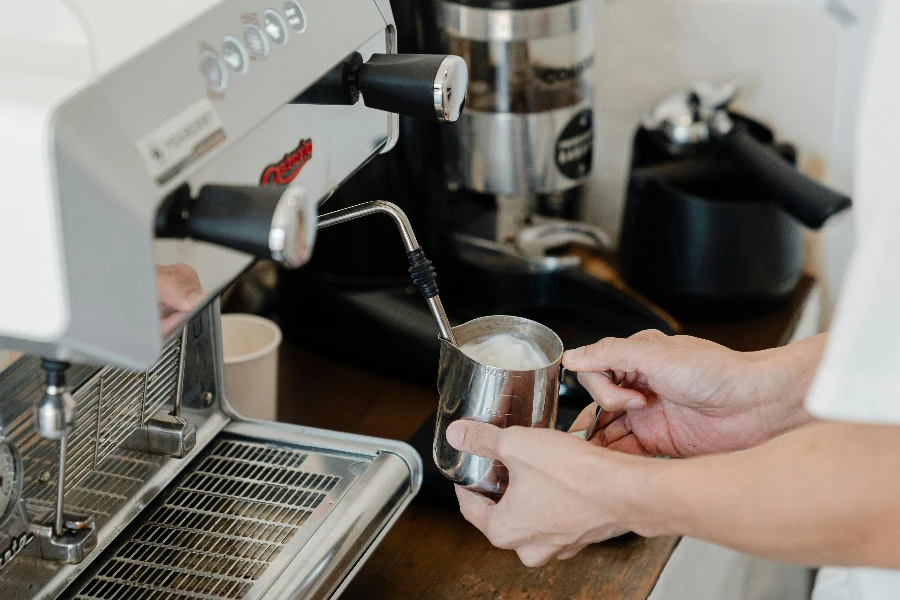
x=714, y=216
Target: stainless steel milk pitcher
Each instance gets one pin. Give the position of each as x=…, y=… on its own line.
x=502, y=397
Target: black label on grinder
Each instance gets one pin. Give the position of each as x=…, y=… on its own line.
x=575, y=146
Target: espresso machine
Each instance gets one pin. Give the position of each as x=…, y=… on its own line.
x=208, y=134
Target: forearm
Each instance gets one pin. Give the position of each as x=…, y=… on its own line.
x=827, y=494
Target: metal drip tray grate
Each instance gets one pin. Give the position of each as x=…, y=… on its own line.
x=218, y=528
x=110, y=404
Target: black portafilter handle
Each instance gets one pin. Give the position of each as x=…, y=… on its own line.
x=269, y=222
x=807, y=200
x=421, y=86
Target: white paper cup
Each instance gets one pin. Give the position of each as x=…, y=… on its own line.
x=250, y=347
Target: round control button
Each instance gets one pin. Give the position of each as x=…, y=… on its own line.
x=213, y=71
x=234, y=55
x=275, y=27
x=296, y=16
x=256, y=40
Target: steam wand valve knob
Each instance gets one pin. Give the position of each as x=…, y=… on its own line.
x=431, y=87
x=422, y=86
x=266, y=221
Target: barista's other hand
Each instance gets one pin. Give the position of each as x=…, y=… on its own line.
x=683, y=396
x=563, y=494
x=179, y=292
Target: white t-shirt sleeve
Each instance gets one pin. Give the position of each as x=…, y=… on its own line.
x=859, y=379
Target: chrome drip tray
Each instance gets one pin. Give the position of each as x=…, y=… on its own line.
x=225, y=527
x=254, y=511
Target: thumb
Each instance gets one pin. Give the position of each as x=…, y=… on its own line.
x=480, y=439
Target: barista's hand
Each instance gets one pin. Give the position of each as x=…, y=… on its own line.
x=563, y=494
x=178, y=288
x=683, y=396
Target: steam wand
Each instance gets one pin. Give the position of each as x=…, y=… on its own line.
x=278, y=223
x=420, y=269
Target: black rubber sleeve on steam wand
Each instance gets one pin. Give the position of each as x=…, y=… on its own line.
x=423, y=275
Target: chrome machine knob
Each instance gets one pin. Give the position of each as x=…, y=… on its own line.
x=54, y=412
x=430, y=87
x=450, y=85
x=292, y=231
x=423, y=86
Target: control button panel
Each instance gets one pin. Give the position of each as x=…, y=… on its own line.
x=254, y=43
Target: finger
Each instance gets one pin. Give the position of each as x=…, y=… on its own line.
x=475, y=508
x=585, y=418
x=178, y=287
x=569, y=553
x=605, y=420
x=615, y=431
x=480, y=439
x=612, y=353
x=609, y=395
x=179, y=296
x=537, y=555
x=629, y=444
x=169, y=322
x=608, y=417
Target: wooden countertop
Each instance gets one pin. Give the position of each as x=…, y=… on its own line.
x=432, y=553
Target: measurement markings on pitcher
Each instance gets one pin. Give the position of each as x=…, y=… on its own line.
x=499, y=373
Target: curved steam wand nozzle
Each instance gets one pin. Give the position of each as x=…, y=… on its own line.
x=420, y=269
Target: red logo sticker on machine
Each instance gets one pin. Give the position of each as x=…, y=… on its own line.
x=286, y=170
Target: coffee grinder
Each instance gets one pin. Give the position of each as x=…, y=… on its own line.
x=524, y=145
